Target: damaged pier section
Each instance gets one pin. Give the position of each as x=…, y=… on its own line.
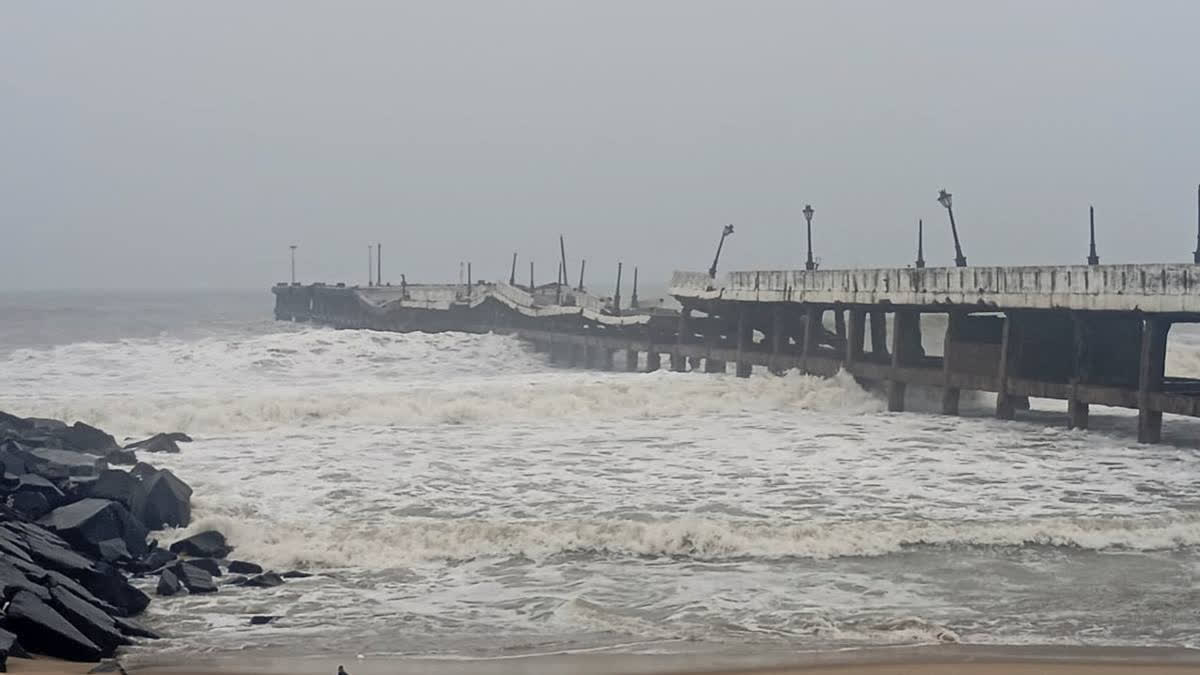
x=1084, y=334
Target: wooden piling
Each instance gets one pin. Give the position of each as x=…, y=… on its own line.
x=1004, y=404
x=903, y=352
x=1077, y=410
x=1150, y=377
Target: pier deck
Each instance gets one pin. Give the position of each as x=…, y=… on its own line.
x=1083, y=334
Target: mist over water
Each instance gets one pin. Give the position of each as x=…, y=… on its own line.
x=457, y=496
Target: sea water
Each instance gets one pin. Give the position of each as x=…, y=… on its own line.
x=456, y=496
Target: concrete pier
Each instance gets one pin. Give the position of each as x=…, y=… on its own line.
x=1088, y=335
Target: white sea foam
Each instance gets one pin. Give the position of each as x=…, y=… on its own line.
x=412, y=541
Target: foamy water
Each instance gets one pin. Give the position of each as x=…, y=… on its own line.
x=458, y=496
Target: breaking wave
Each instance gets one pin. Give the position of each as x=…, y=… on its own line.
x=419, y=540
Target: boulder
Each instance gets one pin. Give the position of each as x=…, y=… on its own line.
x=12, y=456
x=31, y=482
x=115, y=485
x=266, y=580
x=295, y=574
x=157, y=443
x=13, y=581
x=88, y=619
x=154, y=560
x=53, y=556
x=196, y=580
x=31, y=504
x=243, y=567
x=15, y=422
x=14, y=546
x=90, y=521
x=56, y=464
x=109, y=585
x=142, y=470
x=113, y=551
x=120, y=457
x=134, y=629
x=45, y=631
x=235, y=580
x=207, y=544
x=10, y=646
x=261, y=619
x=168, y=584
x=87, y=438
x=52, y=579
x=207, y=564
x=162, y=500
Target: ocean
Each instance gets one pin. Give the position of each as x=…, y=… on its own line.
x=457, y=497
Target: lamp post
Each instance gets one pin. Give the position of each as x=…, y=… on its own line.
x=809, y=264
x=1093, y=258
x=944, y=198
x=920, y=244
x=293, y=247
x=712, y=271
x=1196, y=253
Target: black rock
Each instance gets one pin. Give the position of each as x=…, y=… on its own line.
x=168, y=583
x=13, y=581
x=15, y=422
x=295, y=574
x=115, y=485
x=236, y=580
x=266, y=580
x=154, y=560
x=243, y=567
x=90, y=620
x=162, y=500
x=59, y=464
x=108, y=666
x=121, y=457
x=14, y=545
x=134, y=629
x=32, y=504
x=87, y=438
x=207, y=564
x=207, y=544
x=43, y=630
x=52, y=579
x=142, y=470
x=261, y=619
x=31, y=482
x=12, y=456
x=109, y=585
x=53, y=556
x=10, y=646
x=196, y=579
x=113, y=551
x=157, y=443
x=90, y=521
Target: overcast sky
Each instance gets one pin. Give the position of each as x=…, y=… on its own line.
x=153, y=144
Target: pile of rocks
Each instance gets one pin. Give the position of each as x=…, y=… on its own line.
x=195, y=563
x=73, y=529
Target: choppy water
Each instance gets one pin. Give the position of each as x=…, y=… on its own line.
x=460, y=497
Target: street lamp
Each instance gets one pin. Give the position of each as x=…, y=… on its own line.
x=944, y=199
x=712, y=271
x=808, y=214
x=293, y=247
x=920, y=243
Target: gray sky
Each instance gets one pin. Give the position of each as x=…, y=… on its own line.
x=187, y=144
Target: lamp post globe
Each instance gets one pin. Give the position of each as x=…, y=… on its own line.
x=946, y=199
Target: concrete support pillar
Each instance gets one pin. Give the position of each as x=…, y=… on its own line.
x=812, y=329
x=950, y=394
x=712, y=339
x=903, y=352
x=1150, y=377
x=678, y=362
x=1005, y=408
x=556, y=353
x=1077, y=410
x=653, y=359
x=777, y=340
x=712, y=365
x=576, y=355
x=856, y=335
x=631, y=360
x=604, y=357
x=744, y=338
x=839, y=322
x=879, y=350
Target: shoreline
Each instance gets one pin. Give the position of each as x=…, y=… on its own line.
x=933, y=659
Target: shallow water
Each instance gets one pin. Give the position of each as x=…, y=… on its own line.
x=457, y=496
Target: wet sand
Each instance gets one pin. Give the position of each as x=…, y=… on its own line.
x=937, y=660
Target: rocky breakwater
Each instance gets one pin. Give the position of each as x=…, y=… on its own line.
x=75, y=533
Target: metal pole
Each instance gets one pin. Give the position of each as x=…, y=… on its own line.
x=582, y=267
x=378, y=264
x=558, y=286
x=617, y=296
x=920, y=243
x=1093, y=259
x=562, y=250
x=633, y=300
x=712, y=271
x=531, y=277
x=468, y=281
x=512, y=275
x=293, y=247
x=1196, y=254
x=960, y=260
x=370, y=267
x=809, y=264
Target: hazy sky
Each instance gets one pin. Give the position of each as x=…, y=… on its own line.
x=187, y=144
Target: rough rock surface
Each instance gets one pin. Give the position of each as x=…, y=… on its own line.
x=207, y=544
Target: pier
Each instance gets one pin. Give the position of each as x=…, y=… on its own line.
x=1086, y=334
